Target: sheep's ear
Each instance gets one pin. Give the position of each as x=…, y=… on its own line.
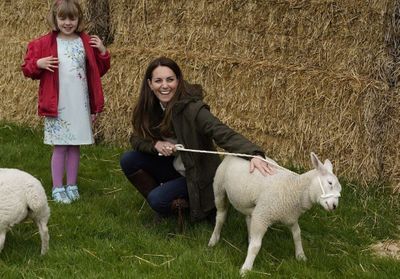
x=315, y=161
x=328, y=165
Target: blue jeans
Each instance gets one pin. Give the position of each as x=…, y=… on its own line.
x=172, y=185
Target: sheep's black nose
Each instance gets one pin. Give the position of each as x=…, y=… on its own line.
x=334, y=206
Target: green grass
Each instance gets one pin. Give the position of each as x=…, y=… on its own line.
x=109, y=234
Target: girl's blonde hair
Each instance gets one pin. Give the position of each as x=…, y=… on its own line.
x=66, y=9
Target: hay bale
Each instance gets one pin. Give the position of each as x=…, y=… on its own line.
x=293, y=76
x=98, y=20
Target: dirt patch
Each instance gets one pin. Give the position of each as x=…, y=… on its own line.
x=388, y=248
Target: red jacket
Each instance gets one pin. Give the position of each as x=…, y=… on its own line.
x=96, y=66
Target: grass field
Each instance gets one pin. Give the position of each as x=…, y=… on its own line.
x=108, y=233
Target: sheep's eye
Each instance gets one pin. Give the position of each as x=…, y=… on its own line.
x=330, y=183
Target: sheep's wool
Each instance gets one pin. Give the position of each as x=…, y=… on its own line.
x=22, y=195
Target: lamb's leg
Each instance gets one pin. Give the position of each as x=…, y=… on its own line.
x=44, y=235
x=248, y=223
x=296, y=233
x=257, y=231
x=2, y=240
x=221, y=203
x=41, y=220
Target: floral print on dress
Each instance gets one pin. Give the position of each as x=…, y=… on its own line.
x=54, y=126
x=74, y=51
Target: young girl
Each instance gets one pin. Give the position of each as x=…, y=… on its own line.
x=69, y=64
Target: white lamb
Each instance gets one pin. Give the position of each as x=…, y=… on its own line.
x=21, y=196
x=265, y=200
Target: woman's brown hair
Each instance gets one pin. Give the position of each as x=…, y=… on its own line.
x=66, y=9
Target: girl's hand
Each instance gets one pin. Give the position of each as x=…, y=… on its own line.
x=165, y=148
x=48, y=63
x=262, y=166
x=97, y=43
x=94, y=117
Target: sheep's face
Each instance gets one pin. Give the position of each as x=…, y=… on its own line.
x=326, y=184
x=330, y=189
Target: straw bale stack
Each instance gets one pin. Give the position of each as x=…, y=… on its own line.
x=19, y=21
x=98, y=20
x=391, y=73
x=293, y=76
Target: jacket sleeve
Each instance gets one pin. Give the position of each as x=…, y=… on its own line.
x=29, y=67
x=142, y=145
x=224, y=136
x=102, y=61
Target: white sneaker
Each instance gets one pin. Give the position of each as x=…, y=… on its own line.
x=60, y=196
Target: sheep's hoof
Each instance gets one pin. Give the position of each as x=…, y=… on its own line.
x=43, y=251
x=244, y=271
x=301, y=257
x=213, y=241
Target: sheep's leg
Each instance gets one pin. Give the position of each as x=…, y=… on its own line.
x=296, y=233
x=248, y=223
x=257, y=231
x=221, y=203
x=44, y=234
x=2, y=240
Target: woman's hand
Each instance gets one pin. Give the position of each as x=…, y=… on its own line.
x=48, y=63
x=96, y=42
x=165, y=148
x=262, y=166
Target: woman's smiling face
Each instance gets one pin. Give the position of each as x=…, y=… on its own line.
x=163, y=83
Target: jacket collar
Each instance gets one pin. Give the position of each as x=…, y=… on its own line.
x=195, y=93
x=54, y=37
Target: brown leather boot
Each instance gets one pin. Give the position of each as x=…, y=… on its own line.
x=143, y=182
x=178, y=206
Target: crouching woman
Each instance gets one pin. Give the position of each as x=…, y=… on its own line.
x=169, y=110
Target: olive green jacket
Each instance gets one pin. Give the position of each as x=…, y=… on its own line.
x=197, y=128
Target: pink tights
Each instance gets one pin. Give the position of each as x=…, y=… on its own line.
x=65, y=157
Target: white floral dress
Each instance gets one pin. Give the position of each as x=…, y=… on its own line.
x=73, y=124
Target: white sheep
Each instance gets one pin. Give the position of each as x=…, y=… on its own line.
x=21, y=196
x=265, y=200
